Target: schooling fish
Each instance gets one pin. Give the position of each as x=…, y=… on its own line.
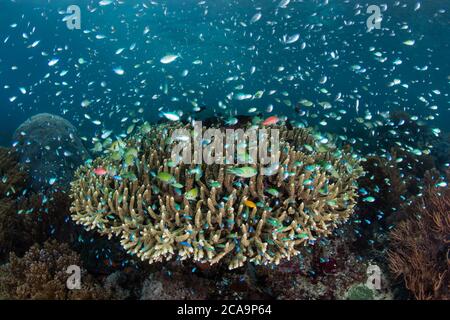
x=169, y=58
x=172, y=116
x=243, y=172
x=165, y=177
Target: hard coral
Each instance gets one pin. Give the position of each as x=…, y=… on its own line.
x=137, y=194
x=41, y=274
x=420, y=246
x=50, y=146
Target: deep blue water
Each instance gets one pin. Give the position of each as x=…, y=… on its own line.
x=219, y=33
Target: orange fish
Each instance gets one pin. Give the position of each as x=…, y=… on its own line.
x=100, y=171
x=250, y=204
x=270, y=121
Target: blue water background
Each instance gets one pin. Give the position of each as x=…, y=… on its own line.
x=175, y=27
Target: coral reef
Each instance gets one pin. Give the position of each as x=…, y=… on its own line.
x=408, y=130
x=386, y=186
x=360, y=292
x=441, y=152
x=123, y=285
x=13, y=176
x=41, y=274
x=325, y=271
x=390, y=183
x=177, y=286
x=415, y=145
x=49, y=145
x=420, y=249
x=13, y=180
x=27, y=217
x=136, y=194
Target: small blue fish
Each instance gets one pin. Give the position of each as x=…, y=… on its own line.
x=187, y=244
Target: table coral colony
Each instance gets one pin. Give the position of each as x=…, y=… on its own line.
x=210, y=213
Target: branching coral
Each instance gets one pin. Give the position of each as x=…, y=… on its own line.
x=212, y=212
x=41, y=274
x=420, y=246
